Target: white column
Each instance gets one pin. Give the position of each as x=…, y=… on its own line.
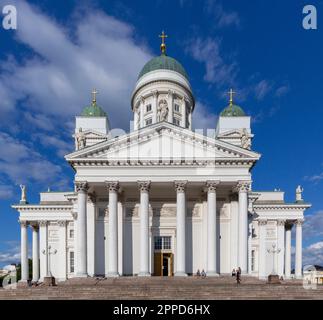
x=91, y=224
x=190, y=119
x=170, y=97
x=113, y=188
x=135, y=119
x=180, y=228
x=262, y=248
x=81, y=267
x=24, y=252
x=211, y=228
x=249, y=244
x=288, y=252
x=142, y=112
x=35, y=253
x=62, y=250
x=243, y=188
x=43, y=243
x=154, y=106
x=183, y=112
x=280, y=246
x=298, y=252
x=144, y=227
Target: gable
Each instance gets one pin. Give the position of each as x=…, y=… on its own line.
x=162, y=142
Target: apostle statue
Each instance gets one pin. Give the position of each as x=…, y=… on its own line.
x=80, y=140
x=245, y=140
x=162, y=111
x=299, y=191
x=23, y=198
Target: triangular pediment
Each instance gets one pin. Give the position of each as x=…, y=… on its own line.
x=162, y=141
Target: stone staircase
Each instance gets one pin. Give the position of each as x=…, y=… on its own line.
x=221, y=288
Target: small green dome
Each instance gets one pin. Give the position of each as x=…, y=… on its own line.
x=232, y=111
x=163, y=62
x=93, y=111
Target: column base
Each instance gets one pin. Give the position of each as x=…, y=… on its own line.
x=112, y=275
x=81, y=275
x=144, y=274
x=299, y=277
x=180, y=274
x=212, y=274
x=23, y=284
x=287, y=277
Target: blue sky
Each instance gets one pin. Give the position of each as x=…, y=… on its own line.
x=62, y=49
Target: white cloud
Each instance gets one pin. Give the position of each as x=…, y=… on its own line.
x=94, y=50
x=207, y=51
x=313, y=225
x=19, y=163
x=262, y=89
x=222, y=18
x=6, y=191
x=202, y=118
x=11, y=254
x=314, y=178
x=313, y=254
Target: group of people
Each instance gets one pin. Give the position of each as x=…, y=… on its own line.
x=200, y=274
x=237, y=273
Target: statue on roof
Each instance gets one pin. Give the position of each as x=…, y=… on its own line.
x=23, y=198
x=299, y=191
x=80, y=140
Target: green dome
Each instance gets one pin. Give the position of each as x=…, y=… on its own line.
x=93, y=111
x=233, y=111
x=163, y=62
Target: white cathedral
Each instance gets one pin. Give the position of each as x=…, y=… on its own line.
x=162, y=200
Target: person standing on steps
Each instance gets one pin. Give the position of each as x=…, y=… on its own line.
x=238, y=275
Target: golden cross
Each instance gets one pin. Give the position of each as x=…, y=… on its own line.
x=94, y=93
x=231, y=93
x=163, y=36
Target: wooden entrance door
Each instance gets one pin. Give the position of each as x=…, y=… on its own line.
x=163, y=264
x=158, y=262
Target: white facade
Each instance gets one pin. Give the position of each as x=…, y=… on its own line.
x=162, y=200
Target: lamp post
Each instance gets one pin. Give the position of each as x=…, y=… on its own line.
x=273, y=277
x=49, y=279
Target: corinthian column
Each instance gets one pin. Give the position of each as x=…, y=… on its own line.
x=113, y=188
x=243, y=188
x=298, y=252
x=262, y=249
x=211, y=228
x=35, y=253
x=288, y=245
x=280, y=246
x=81, y=267
x=24, y=252
x=180, y=228
x=144, y=227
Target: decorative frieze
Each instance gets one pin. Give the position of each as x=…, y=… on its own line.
x=74, y=215
x=61, y=223
x=262, y=222
x=280, y=222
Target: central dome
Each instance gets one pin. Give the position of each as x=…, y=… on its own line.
x=163, y=62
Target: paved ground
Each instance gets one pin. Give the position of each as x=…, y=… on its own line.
x=222, y=288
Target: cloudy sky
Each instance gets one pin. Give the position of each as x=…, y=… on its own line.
x=62, y=49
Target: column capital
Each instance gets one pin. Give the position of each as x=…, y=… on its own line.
x=281, y=222
x=23, y=223
x=43, y=223
x=144, y=186
x=299, y=222
x=180, y=186
x=81, y=186
x=243, y=186
x=74, y=215
x=288, y=225
x=35, y=226
x=62, y=223
x=211, y=185
x=155, y=93
x=262, y=222
x=113, y=186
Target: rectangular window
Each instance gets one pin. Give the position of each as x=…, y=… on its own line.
x=176, y=121
x=71, y=261
x=71, y=233
x=148, y=108
x=149, y=121
x=252, y=260
x=163, y=243
x=177, y=107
